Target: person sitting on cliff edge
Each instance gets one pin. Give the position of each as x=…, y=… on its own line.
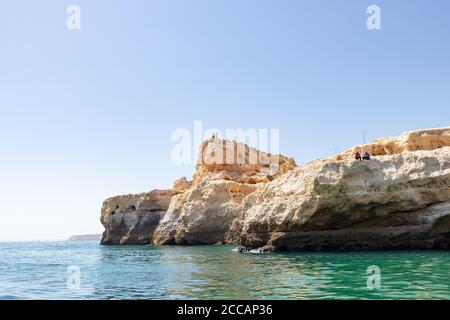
x=366, y=156
x=358, y=156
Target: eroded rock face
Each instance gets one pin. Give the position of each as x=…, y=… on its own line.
x=396, y=201
x=227, y=172
x=239, y=162
x=428, y=139
x=238, y=195
x=132, y=219
x=181, y=185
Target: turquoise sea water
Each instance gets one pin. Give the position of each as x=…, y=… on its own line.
x=51, y=270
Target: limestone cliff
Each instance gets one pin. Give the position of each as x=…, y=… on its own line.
x=395, y=201
x=428, y=139
x=239, y=195
x=227, y=172
x=132, y=219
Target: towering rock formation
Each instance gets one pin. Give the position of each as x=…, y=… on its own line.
x=227, y=172
x=399, y=199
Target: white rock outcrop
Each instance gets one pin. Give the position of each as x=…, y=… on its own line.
x=227, y=172
x=132, y=219
x=400, y=199
x=392, y=201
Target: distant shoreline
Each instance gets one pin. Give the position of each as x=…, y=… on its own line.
x=85, y=237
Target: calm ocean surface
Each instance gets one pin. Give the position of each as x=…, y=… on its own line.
x=49, y=270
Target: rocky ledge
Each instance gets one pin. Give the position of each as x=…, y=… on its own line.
x=400, y=199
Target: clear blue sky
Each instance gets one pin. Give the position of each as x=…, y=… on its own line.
x=88, y=114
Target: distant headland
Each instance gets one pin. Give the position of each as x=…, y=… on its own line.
x=85, y=237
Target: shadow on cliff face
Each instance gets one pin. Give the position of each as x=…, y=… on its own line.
x=131, y=228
